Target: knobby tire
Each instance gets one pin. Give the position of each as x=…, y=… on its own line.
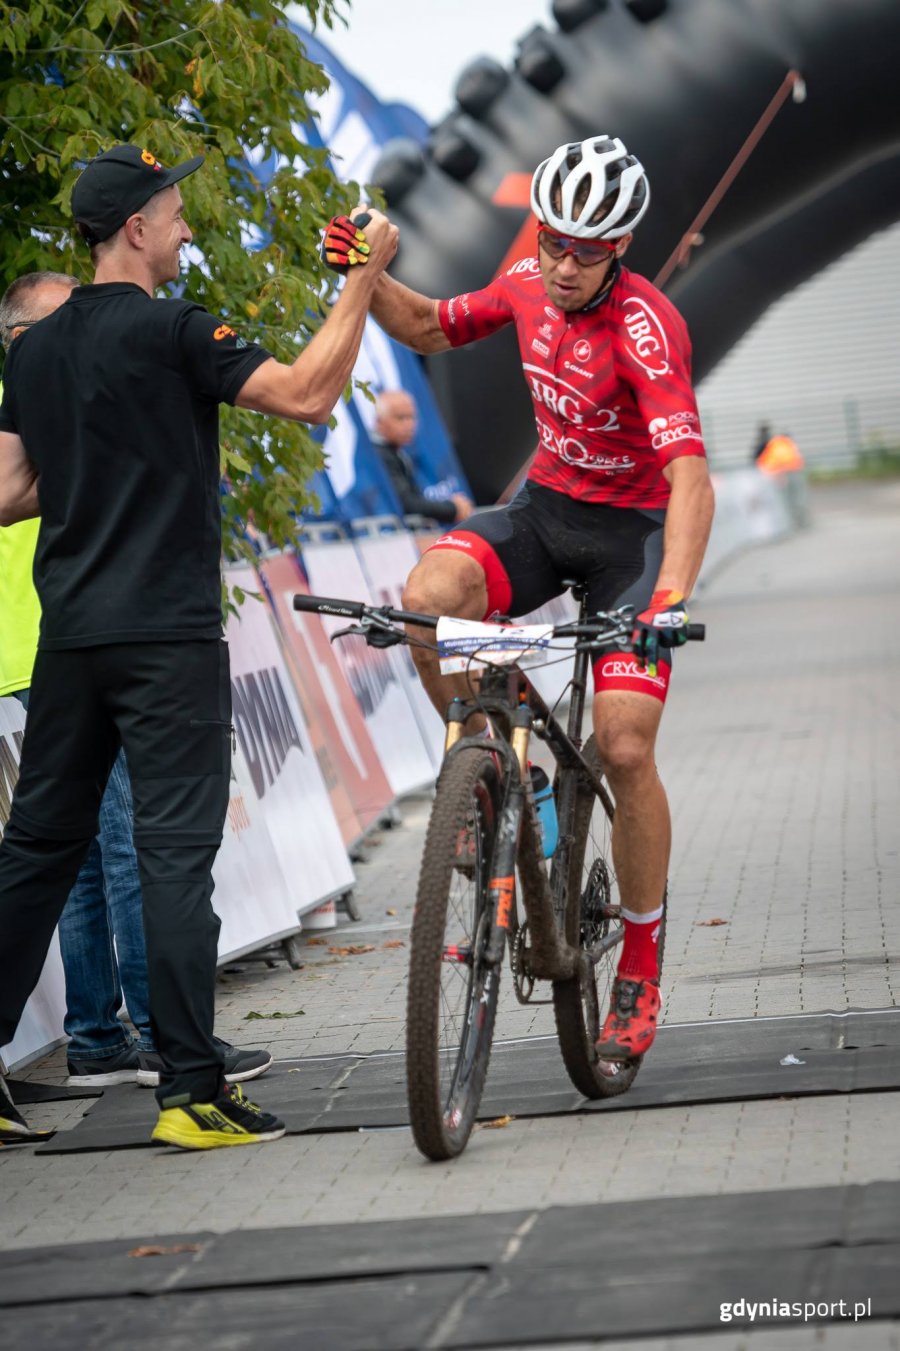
x=447, y=1056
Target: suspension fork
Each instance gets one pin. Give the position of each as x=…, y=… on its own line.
x=502, y=885
x=567, y=794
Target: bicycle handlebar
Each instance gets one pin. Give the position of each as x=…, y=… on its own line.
x=385, y=614
x=355, y=609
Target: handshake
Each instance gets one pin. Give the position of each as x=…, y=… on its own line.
x=369, y=237
x=344, y=243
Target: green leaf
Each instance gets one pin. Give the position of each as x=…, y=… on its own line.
x=257, y=82
x=254, y=1016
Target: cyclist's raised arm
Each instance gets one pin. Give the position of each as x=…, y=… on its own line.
x=409, y=317
x=435, y=325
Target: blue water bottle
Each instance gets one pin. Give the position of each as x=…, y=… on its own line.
x=545, y=807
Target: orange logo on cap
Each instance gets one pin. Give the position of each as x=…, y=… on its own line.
x=151, y=160
x=223, y=331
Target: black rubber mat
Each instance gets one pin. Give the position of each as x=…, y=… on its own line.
x=273, y=1257
x=826, y=1053
x=511, y=1280
x=24, y=1091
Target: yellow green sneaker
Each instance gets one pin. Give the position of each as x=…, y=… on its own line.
x=231, y=1119
x=14, y=1129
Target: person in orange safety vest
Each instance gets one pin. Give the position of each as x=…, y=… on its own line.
x=779, y=454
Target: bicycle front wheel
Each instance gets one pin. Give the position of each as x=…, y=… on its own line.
x=593, y=918
x=452, y=997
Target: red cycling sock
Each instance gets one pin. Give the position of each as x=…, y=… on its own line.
x=639, y=960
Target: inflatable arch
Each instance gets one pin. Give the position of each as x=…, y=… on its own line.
x=688, y=85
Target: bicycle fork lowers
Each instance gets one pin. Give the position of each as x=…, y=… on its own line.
x=517, y=844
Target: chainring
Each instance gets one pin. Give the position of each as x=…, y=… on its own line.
x=521, y=953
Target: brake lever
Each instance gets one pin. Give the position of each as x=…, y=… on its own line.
x=377, y=631
x=353, y=629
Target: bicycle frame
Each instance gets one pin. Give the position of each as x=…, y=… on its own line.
x=512, y=699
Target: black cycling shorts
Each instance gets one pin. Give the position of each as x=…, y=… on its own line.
x=528, y=549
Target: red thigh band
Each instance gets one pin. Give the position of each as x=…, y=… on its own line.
x=620, y=671
x=499, y=587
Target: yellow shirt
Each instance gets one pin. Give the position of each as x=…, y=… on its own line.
x=20, y=609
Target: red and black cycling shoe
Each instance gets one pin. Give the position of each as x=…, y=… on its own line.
x=630, y=1025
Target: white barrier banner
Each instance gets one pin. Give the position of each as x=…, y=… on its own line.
x=387, y=561
x=750, y=507
x=42, y=1021
x=377, y=676
x=360, y=792
x=278, y=782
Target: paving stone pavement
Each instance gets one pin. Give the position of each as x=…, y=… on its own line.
x=781, y=754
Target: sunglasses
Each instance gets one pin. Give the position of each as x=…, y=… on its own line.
x=586, y=253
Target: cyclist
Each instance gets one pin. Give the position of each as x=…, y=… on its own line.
x=618, y=495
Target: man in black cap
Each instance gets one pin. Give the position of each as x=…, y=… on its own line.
x=109, y=431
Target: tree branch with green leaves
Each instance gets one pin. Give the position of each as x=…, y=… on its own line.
x=229, y=81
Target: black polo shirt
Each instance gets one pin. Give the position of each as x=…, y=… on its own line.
x=115, y=396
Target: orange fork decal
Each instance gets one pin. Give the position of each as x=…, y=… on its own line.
x=505, y=888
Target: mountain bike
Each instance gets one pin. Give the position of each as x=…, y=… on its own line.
x=484, y=883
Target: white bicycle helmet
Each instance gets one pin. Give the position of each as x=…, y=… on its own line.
x=591, y=189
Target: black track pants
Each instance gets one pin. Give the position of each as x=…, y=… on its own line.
x=169, y=704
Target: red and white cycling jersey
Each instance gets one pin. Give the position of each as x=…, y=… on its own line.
x=611, y=387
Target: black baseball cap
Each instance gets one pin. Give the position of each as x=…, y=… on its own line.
x=118, y=183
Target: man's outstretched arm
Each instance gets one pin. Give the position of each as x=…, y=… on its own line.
x=308, y=390
x=18, y=482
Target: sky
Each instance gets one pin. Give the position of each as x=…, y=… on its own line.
x=411, y=51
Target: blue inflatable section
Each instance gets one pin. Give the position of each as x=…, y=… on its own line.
x=355, y=125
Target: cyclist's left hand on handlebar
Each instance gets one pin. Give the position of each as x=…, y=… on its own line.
x=663, y=624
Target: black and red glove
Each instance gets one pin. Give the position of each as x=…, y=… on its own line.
x=664, y=623
x=344, y=243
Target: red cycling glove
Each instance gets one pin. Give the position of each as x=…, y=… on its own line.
x=663, y=624
x=344, y=244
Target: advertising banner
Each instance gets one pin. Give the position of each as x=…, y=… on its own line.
x=350, y=766
x=377, y=676
x=387, y=561
x=277, y=775
x=42, y=1022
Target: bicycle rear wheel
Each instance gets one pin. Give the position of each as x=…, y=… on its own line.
x=592, y=915
x=452, y=997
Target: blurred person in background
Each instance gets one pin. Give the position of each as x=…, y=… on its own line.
x=396, y=421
